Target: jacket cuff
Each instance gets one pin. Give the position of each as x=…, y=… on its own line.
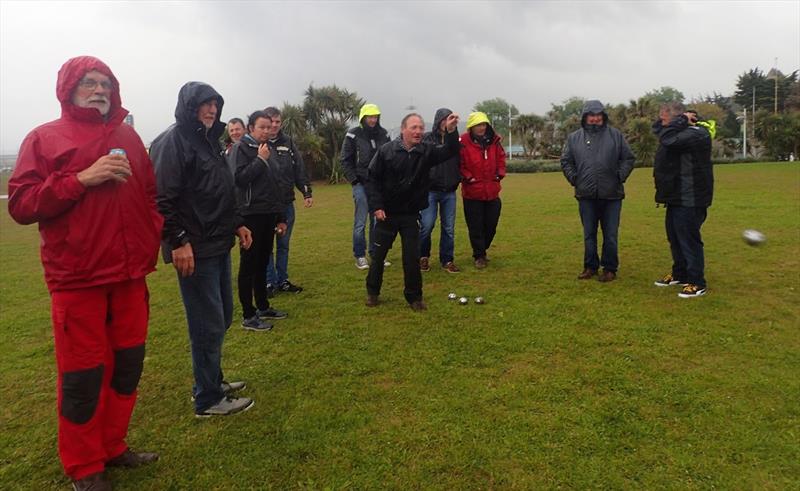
x=73, y=187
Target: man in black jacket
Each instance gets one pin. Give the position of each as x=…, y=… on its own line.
x=596, y=161
x=290, y=172
x=359, y=146
x=397, y=189
x=445, y=178
x=684, y=182
x=196, y=197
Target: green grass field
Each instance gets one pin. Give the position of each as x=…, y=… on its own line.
x=553, y=383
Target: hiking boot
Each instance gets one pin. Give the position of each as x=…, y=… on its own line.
x=271, y=290
x=229, y=387
x=131, y=459
x=480, y=262
x=271, y=313
x=418, y=305
x=227, y=406
x=424, y=264
x=607, y=276
x=691, y=291
x=372, y=301
x=256, y=324
x=668, y=280
x=94, y=482
x=587, y=274
x=287, y=287
x=361, y=263
x=451, y=267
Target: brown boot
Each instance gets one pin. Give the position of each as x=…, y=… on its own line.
x=587, y=274
x=480, y=262
x=607, y=276
x=418, y=305
x=94, y=482
x=129, y=459
x=372, y=301
x=424, y=264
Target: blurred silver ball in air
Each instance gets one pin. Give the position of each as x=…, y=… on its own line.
x=753, y=237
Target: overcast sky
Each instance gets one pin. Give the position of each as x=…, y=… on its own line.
x=396, y=54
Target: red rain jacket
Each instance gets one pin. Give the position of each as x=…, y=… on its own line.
x=90, y=236
x=482, y=169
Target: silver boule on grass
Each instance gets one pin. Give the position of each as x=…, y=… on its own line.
x=754, y=237
x=480, y=300
x=463, y=300
x=452, y=296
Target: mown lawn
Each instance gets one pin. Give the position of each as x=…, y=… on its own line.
x=553, y=383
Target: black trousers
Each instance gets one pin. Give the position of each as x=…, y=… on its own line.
x=407, y=225
x=482, y=218
x=252, y=279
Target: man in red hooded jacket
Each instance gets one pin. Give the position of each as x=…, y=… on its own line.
x=88, y=182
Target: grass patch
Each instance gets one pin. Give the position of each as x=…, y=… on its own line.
x=553, y=383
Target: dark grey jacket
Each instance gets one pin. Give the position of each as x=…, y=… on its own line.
x=290, y=170
x=258, y=189
x=447, y=175
x=359, y=146
x=597, y=160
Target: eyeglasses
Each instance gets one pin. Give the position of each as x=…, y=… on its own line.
x=91, y=84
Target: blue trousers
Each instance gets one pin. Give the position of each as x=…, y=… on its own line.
x=606, y=212
x=208, y=299
x=683, y=232
x=360, y=219
x=445, y=204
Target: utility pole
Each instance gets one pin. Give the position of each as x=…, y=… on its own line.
x=744, y=135
x=510, y=152
x=775, y=111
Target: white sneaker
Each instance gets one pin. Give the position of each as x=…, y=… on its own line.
x=386, y=263
x=227, y=406
x=361, y=263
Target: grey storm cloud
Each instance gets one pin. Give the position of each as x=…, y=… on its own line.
x=427, y=54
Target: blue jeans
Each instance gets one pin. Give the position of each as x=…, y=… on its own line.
x=360, y=219
x=278, y=265
x=683, y=232
x=208, y=300
x=607, y=213
x=445, y=203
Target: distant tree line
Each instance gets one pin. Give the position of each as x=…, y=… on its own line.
x=319, y=124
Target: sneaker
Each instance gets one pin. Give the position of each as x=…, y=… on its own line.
x=372, y=301
x=227, y=406
x=94, y=482
x=480, y=262
x=230, y=387
x=418, y=305
x=361, y=263
x=386, y=263
x=668, y=280
x=691, y=291
x=287, y=287
x=587, y=274
x=607, y=276
x=424, y=264
x=451, y=267
x=256, y=324
x=271, y=290
x=130, y=459
x=271, y=314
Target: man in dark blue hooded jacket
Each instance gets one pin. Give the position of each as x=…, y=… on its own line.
x=596, y=161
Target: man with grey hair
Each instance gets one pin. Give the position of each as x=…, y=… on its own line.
x=596, y=161
x=196, y=195
x=684, y=182
x=397, y=189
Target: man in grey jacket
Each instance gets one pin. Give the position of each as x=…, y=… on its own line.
x=596, y=161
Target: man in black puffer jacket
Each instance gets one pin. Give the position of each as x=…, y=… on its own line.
x=397, y=189
x=359, y=146
x=596, y=161
x=684, y=182
x=445, y=178
x=197, y=198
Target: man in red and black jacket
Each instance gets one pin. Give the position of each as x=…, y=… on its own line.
x=87, y=180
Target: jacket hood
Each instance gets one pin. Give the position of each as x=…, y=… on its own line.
x=710, y=125
x=191, y=96
x=70, y=74
x=441, y=115
x=477, y=118
x=593, y=107
x=369, y=110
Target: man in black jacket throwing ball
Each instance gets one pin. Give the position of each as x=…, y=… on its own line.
x=397, y=189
